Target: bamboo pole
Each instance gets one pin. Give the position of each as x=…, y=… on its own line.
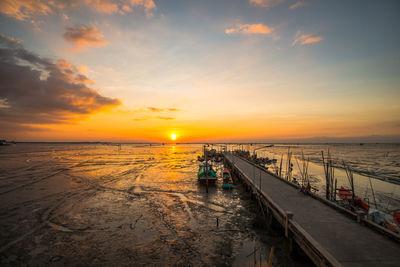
x=373, y=193
x=326, y=175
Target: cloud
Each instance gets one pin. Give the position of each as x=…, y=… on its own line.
x=154, y=118
x=35, y=90
x=150, y=110
x=103, y=6
x=165, y=118
x=153, y=109
x=265, y=3
x=82, y=36
x=122, y=6
x=27, y=9
x=306, y=39
x=298, y=4
x=24, y=9
x=249, y=29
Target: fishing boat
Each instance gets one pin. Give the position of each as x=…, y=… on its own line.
x=345, y=194
x=206, y=173
x=227, y=182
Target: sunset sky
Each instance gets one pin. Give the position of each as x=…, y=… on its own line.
x=235, y=70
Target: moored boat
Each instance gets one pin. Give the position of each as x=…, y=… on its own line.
x=227, y=181
x=206, y=173
x=345, y=194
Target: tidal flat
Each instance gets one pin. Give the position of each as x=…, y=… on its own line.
x=134, y=205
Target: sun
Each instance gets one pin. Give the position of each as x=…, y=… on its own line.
x=173, y=137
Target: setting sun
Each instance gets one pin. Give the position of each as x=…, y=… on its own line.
x=173, y=136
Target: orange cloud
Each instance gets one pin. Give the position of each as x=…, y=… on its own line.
x=152, y=118
x=23, y=9
x=298, y=4
x=26, y=9
x=122, y=7
x=82, y=68
x=249, y=29
x=165, y=118
x=144, y=114
x=306, y=39
x=265, y=3
x=153, y=109
x=103, y=6
x=82, y=36
x=70, y=73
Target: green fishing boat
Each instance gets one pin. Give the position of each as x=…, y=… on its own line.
x=206, y=173
x=227, y=182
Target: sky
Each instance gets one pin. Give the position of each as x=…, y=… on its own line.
x=204, y=71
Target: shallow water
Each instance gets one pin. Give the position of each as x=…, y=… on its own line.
x=71, y=204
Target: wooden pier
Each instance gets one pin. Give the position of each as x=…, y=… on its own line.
x=328, y=234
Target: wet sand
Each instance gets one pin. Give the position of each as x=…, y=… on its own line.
x=98, y=205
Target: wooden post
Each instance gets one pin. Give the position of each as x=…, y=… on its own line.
x=271, y=257
x=255, y=255
x=269, y=219
x=359, y=213
x=289, y=216
x=254, y=175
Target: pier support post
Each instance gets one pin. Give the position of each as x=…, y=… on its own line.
x=289, y=216
x=359, y=213
x=269, y=220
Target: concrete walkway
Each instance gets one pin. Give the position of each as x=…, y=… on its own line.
x=350, y=243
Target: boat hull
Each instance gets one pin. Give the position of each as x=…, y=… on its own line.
x=227, y=186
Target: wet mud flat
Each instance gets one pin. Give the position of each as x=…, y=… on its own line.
x=138, y=206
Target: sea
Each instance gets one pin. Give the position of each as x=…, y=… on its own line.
x=141, y=204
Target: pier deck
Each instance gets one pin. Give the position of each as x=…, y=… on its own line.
x=327, y=236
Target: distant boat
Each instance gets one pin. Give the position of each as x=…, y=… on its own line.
x=227, y=182
x=4, y=143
